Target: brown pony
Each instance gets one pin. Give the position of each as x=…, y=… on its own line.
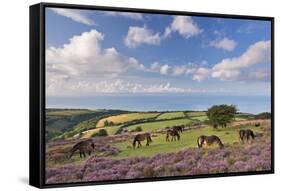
x=141, y=137
x=173, y=133
x=178, y=128
x=83, y=146
x=209, y=140
x=246, y=133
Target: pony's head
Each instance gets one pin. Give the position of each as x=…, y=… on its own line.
x=93, y=145
x=221, y=145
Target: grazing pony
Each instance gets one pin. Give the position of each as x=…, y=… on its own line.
x=246, y=133
x=141, y=137
x=209, y=140
x=178, y=128
x=257, y=124
x=173, y=133
x=82, y=146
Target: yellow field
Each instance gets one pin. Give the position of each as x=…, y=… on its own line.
x=118, y=119
x=171, y=115
x=110, y=130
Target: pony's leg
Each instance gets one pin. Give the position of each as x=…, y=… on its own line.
x=89, y=153
x=80, y=154
x=84, y=154
x=167, y=138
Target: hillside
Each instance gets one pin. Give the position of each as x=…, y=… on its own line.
x=67, y=122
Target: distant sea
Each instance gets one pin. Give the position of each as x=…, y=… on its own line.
x=248, y=104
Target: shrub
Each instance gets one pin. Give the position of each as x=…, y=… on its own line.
x=100, y=133
x=137, y=129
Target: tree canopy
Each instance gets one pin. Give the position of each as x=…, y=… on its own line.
x=221, y=115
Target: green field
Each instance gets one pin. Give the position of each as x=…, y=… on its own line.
x=123, y=118
x=171, y=115
x=158, y=125
x=67, y=112
x=188, y=139
x=196, y=113
x=200, y=118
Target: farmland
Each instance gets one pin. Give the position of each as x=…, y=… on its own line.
x=114, y=157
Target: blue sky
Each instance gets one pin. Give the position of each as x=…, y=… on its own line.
x=97, y=52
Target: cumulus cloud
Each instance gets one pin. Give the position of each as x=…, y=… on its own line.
x=76, y=15
x=230, y=68
x=162, y=69
x=182, y=70
x=179, y=70
x=184, y=25
x=141, y=35
x=135, y=16
x=84, y=57
x=201, y=74
x=224, y=43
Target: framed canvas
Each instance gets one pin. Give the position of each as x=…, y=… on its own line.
x=123, y=95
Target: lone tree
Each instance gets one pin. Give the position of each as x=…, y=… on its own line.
x=220, y=115
x=105, y=123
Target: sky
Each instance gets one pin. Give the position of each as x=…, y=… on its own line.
x=90, y=52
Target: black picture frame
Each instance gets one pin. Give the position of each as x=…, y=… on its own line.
x=37, y=93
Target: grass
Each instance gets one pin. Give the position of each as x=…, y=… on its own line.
x=200, y=118
x=171, y=115
x=188, y=139
x=158, y=125
x=118, y=119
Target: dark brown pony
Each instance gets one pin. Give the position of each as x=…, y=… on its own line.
x=246, y=133
x=173, y=133
x=178, y=128
x=82, y=147
x=257, y=124
x=209, y=140
x=141, y=137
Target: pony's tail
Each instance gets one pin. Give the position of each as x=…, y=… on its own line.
x=179, y=137
x=198, y=142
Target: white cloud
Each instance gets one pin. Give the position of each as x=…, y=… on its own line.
x=76, y=15
x=229, y=68
x=164, y=69
x=84, y=87
x=184, y=25
x=141, y=35
x=177, y=70
x=83, y=57
x=135, y=16
x=182, y=70
x=201, y=74
x=224, y=43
